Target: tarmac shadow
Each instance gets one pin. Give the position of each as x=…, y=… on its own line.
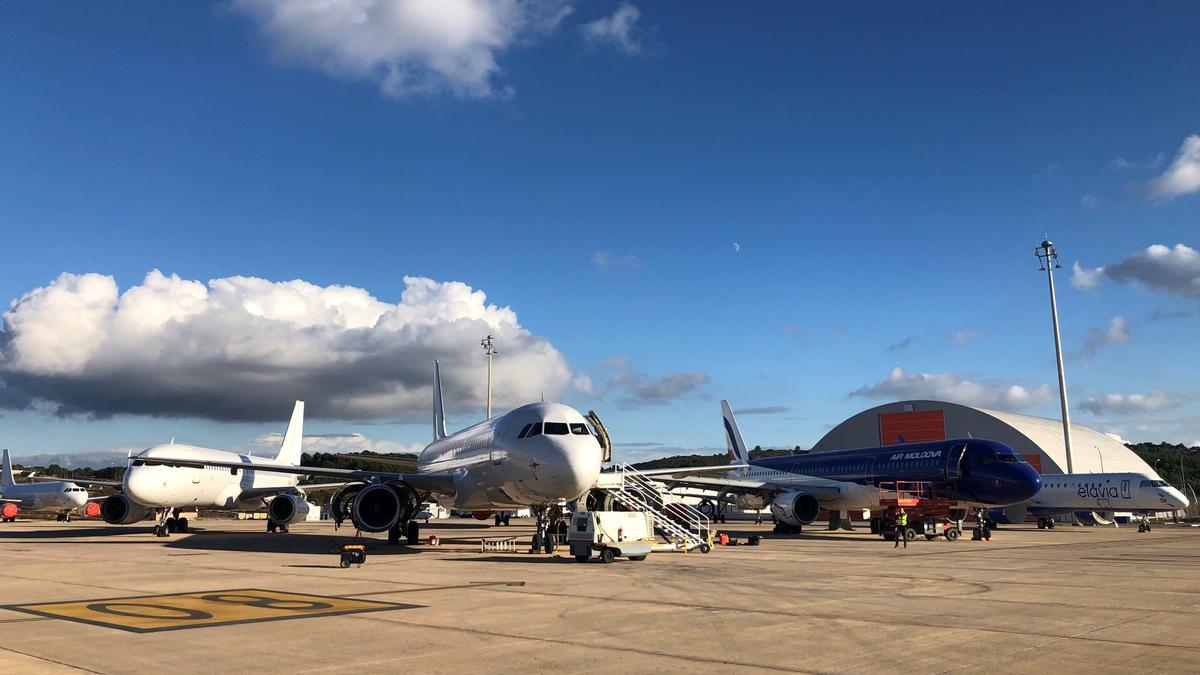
x=290, y=542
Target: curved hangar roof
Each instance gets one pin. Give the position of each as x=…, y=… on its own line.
x=1038, y=439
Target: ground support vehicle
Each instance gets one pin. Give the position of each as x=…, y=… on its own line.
x=609, y=534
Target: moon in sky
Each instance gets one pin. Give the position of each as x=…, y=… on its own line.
x=737, y=248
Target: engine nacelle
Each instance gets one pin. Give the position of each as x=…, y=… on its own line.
x=1095, y=517
x=9, y=510
x=121, y=510
x=751, y=502
x=795, y=508
x=375, y=507
x=1009, y=515
x=287, y=509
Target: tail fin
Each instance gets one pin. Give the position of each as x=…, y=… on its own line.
x=6, y=477
x=293, y=438
x=735, y=446
x=439, y=412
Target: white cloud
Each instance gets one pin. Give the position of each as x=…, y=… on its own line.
x=1121, y=164
x=1123, y=404
x=606, y=260
x=637, y=388
x=618, y=30
x=406, y=47
x=1117, y=333
x=962, y=338
x=1089, y=201
x=243, y=348
x=1183, y=176
x=334, y=443
x=956, y=388
x=1086, y=279
x=1175, y=270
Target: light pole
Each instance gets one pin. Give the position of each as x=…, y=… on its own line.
x=1048, y=262
x=490, y=349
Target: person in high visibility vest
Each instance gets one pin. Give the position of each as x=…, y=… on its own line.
x=899, y=526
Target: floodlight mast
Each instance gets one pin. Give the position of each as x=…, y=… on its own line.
x=490, y=349
x=1048, y=262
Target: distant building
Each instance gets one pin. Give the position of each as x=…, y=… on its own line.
x=1038, y=439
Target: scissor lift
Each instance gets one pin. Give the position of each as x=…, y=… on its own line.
x=928, y=512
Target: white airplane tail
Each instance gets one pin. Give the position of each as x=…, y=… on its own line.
x=293, y=438
x=735, y=447
x=6, y=477
x=439, y=411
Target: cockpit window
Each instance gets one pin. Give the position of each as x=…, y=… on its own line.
x=525, y=431
x=987, y=459
x=1154, y=483
x=535, y=430
x=556, y=428
x=1005, y=457
x=579, y=429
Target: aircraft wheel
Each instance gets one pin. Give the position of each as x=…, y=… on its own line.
x=987, y=533
x=170, y=524
x=271, y=526
x=607, y=556
x=506, y=520
x=413, y=533
x=181, y=525
x=497, y=521
x=283, y=527
x=952, y=535
x=1050, y=524
x=1041, y=523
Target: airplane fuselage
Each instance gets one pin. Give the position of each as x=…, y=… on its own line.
x=1062, y=493
x=58, y=496
x=189, y=487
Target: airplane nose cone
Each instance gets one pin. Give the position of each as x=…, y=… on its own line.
x=1177, y=500
x=138, y=484
x=1026, y=483
x=79, y=498
x=579, y=466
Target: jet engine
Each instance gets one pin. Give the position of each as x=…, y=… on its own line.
x=121, y=510
x=795, y=508
x=287, y=509
x=375, y=507
x=1009, y=515
x=751, y=502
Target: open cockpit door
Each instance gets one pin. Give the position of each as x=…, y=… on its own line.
x=954, y=460
x=601, y=435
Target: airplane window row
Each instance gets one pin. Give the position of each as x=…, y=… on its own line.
x=553, y=429
x=75, y=489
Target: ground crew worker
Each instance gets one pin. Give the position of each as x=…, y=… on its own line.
x=900, y=525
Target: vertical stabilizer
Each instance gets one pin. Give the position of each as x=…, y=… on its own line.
x=735, y=447
x=293, y=438
x=6, y=478
x=439, y=411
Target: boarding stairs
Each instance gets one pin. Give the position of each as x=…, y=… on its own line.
x=683, y=526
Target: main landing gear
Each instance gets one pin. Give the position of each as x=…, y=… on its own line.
x=411, y=531
x=784, y=528
x=1144, y=524
x=276, y=526
x=170, y=522
x=981, y=532
x=1045, y=523
x=64, y=517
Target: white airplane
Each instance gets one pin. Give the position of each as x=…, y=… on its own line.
x=1094, y=492
x=57, y=496
x=538, y=455
x=149, y=487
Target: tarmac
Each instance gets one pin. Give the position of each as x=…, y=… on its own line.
x=84, y=596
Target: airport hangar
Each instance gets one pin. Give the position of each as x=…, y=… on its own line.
x=1038, y=439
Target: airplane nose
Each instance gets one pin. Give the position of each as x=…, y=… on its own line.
x=1027, y=482
x=138, y=483
x=580, y=464
x=1177, y=499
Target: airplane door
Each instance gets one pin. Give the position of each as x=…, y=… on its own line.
x=196, y=476
x=954, y=461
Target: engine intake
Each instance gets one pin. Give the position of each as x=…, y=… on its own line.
x=121, y=510
x=287, y=509
x=375, y=507
x=795, y=508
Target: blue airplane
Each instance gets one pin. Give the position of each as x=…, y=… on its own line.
x=975, y=473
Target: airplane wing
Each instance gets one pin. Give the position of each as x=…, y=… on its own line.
x=441, y=483
x=821, y=488
x=691, y=470
x=265, y=492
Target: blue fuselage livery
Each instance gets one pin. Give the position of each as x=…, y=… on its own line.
x=974, y=471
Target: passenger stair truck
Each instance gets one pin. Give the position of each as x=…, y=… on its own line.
x=683, y=526
x=928, y=513
x=609, y=534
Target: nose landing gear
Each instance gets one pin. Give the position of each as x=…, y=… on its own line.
x=169, y=522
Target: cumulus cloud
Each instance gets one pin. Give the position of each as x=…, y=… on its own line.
x=1121, y=164
x=1175, y=270
x=618, y=31
x=244, y=348
x=607, y=260
x=1183, y=175
x=1116, y=333
x=955, y=388
x=335, y=443
x=405, y=47
x=766, y=410
x=1124, y=404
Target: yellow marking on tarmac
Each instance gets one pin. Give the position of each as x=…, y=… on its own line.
x=175, y=611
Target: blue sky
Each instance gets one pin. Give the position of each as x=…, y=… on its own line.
x=884, y=171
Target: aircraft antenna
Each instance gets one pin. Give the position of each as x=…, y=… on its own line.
x=489, y=348
x=1048, y=262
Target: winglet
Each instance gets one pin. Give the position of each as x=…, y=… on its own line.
x=439, y=411
x=293, y=438
x=6, y=478
x=734, y=445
